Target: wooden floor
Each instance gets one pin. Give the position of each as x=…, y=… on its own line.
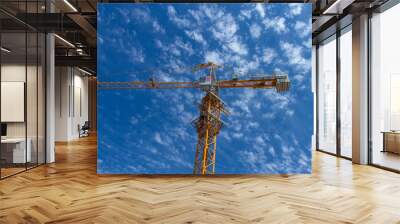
x=70, y=191
x=387, y=159
x=5, y=172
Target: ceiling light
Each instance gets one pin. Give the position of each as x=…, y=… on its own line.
x=337, y=7
x=5, y=50
x=70, y=5
x=65, y=41
x=84, y=71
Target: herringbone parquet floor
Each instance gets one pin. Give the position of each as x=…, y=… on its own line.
x=70, y=191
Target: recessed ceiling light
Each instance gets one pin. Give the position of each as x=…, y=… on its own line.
x=70, y=5
x=5, y=50
x=337, y=7
x=64, y=40
x=84, y=71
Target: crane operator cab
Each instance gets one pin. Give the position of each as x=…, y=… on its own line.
x=207, y=82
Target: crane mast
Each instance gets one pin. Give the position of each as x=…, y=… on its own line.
x=208, y=124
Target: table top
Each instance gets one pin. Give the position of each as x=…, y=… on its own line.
x=13, y=140
x=391, y=132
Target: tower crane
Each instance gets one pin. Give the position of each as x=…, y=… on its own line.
x=209, y=123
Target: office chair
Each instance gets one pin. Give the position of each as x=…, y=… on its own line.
x=84, y=130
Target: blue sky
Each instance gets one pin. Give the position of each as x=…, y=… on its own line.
x=150, y=131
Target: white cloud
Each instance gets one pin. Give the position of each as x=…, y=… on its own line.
x=134, y=120
x=255, y=30
x=251, y=124
x=157, y=138
x=212, y=12
x=271, y=151
x=238, y=47
x=245, y=14
x=158, y=43
x=260, y=140
x=136, y=54
x=225, y=28
x=289, y=113
x=244, y=101
x=295, y=9
x=180, y=22
x=198, y=16
x=278, y=101
x=278, y=24
x=157, y=27
x=287, y=149
x=251, y=65
x=304, y=159
x=269, y=115
x=196, y=35
x=254, y=158
x=279, y=71
x=302, y=28
x=260, y=9
x=268, y=55
x=225, y=31
x=242, y=65
x=307, y=43
x=237, y=135
x=139, y=13
x=164, y=77
x=177, y=66
x=213, y=56
x=176, y=49
x=178, y=159
x=225, y=135
x=294, y=55
x=258, y=162
x=299, y=77
x=184, y=46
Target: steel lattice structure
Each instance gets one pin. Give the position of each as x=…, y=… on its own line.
x=209, y=123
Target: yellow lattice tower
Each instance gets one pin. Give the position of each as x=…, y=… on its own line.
x=209, y=123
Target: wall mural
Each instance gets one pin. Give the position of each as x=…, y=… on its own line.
x=204, y=89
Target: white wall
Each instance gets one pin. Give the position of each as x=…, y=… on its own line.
x=71, y=102
x=17, y=73
x=61, y=103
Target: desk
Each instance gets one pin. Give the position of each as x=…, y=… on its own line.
x=391, y=141
x=18, y=150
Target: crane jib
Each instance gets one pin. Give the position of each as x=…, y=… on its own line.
x=281, y=84
x=209, y=123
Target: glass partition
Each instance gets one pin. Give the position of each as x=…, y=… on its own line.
x=385, y=89
x=41, y=96
x=13, y=108
x=22, y=88
x=32, y=95
x=327, y=95
x=346, y=93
